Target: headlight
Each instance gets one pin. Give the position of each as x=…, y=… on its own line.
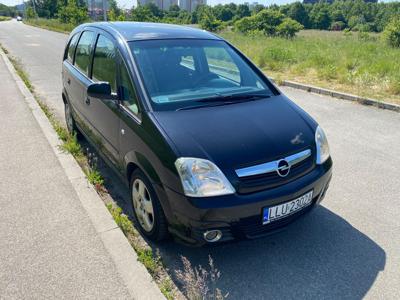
x=202, y=178
x=322, y=146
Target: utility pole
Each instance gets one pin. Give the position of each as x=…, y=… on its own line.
x=105, y=10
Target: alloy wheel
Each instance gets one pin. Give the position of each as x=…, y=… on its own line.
x=143, y=205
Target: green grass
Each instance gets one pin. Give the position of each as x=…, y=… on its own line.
x=50, y=24
x=357, y=63
x=3, y=18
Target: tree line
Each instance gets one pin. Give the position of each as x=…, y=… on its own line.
x=274, y=20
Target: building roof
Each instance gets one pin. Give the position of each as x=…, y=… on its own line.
x=133, y=31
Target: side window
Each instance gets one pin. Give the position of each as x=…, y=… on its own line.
x=221, y=63
x=188, y=62
x=104, y=62
x=71, y=48
x=82, y=55
x=128, y=95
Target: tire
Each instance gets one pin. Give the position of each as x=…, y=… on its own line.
x=150, y=218
x=70, y=121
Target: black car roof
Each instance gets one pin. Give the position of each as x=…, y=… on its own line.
x=133, y=31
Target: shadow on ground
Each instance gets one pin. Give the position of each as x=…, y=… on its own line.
x=319, y=256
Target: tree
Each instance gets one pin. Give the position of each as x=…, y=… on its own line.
x=209, y=22
x=288, y=28
x=30, y=13
x=298, y=12
x=243, y=11
x=73, y=13
x=267, y=21
x=114, y=12
x=391, y=34
x=142, y=14
x=319, y=16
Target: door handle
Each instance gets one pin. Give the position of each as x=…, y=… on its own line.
x=69, y=81
x=87, y=101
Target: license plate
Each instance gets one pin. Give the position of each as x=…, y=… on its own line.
x=274, y=213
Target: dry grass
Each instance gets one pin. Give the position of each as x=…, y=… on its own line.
x=356, y=63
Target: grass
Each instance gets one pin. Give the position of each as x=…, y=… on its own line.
x=4, y=18
x=361, y=64
x=152, y=261
x=50, y=24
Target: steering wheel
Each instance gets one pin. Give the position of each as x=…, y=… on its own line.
x=204, y=78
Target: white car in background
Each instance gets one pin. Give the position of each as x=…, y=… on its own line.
x=19, y=18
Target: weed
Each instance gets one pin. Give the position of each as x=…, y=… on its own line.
x=121, y=219
x=167, y=288
x=151, y=262
x=21, y=73
x=51, y=24
x=198, y=283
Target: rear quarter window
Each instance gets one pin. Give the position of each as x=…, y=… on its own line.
x=82, y=55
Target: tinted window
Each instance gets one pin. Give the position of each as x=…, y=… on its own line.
x=179, y=73
x=82, y=56
x=71, y=48
x=104, y=62
x=128, y=95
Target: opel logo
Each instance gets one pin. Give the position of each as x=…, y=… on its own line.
x=283, y=168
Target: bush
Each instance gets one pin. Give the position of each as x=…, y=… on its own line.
x=245, y=25
x=72, y=13
x=288, y=28
x=270, y=22
x=338, y=26
x=391, y=34
x=210, y=23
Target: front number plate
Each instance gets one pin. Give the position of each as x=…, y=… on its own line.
x=274, y=213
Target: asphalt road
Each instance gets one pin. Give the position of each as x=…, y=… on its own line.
x=348, y=248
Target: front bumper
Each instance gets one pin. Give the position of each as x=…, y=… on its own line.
x=240, y=216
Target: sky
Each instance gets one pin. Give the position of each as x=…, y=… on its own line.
x=130, y=3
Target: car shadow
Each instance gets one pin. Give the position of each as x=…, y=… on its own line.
x=319, y=256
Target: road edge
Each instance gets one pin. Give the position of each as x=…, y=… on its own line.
x=340, y=95
x=135, y=276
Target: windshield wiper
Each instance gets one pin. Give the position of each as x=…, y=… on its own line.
x=225, y=100
x=234, y=97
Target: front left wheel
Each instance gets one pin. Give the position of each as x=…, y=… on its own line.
x=147, y=208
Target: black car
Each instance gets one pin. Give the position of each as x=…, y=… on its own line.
x=210, y=148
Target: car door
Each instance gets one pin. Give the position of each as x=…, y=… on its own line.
x=77, y=78
x=131, y=130
x=102, y=114
x=70, y=75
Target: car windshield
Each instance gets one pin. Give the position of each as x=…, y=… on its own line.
x=189, y=73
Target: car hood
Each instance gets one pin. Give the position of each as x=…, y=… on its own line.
x=239, y=135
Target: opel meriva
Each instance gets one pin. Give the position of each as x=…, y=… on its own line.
x=211, y=149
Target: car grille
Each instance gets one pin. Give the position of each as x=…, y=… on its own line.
x=255, y=183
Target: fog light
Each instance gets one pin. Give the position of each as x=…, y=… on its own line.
x=212, y=235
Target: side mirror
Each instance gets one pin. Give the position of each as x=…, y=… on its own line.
x=100, y=90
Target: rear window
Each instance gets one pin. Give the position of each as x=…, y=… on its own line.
x=104, y=62
x=71, y=48
x=82, y=55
